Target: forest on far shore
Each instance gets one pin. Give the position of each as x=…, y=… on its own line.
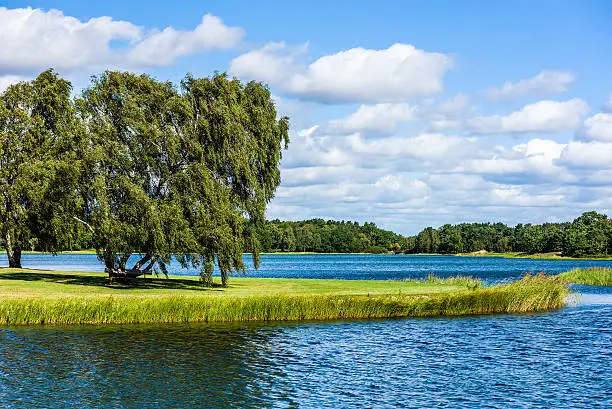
x=588, y=235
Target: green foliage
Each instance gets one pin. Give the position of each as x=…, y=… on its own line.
x=590, y=235
x=40, y=141
x=136, y=165
x=589, y=276
x=177, y=171
x=321, y=236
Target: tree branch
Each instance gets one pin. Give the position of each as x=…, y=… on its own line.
x=84, y=222
x=151, y=263
x=123, y=261
x=142, y=261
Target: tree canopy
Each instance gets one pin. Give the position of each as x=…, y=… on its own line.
x=39, y=164
x=588, y=235
x=143, y=167
x=326, y=236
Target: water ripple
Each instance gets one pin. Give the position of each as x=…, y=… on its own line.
x=558, y=359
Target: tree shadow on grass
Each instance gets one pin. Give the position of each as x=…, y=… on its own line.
x=102, y=281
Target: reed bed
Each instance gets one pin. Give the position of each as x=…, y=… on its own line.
x=590, y=276
x=526, y=295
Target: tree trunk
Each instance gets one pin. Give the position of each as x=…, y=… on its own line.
x=224, y=278
x=13, y=252
x=109, y=264
x=15, y=262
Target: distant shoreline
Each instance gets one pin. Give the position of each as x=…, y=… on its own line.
x=536, y=256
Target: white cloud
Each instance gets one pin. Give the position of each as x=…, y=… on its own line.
x=540, y=117
x=397, y=73
x=7, y=80
x=379, y=118
x=518, y=196
x=456, y=107
x=598, y=128
x=308, y=149
x=529, y=163
x=386, y=118
x=587, y=155
x=163, y=47
x=396, y=188
x=413, y=153
x=544, y=84
x=34, y=40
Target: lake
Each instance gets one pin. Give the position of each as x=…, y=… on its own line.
x=345, y=266
x=555, y=359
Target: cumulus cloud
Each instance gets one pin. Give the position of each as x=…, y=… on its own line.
x=532, y=162
x=376, y=119
x=598, y=128
x=398, y=73
x=386, y=118
x=407, y=180
x=414, y=153
x=544, y=84
x=518, y=196
x=309, y=149
x=164, y=47
x=34, y=39
x=540, y=117
x=587, y=155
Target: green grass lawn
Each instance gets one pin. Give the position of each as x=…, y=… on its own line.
x=43, y=297
x=20, y=283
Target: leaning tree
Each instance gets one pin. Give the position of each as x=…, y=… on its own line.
x=177, y=171
x=39, y=166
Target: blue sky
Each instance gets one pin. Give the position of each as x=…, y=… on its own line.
x=404, y=113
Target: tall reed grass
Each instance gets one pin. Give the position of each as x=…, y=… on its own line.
x=529, y=294
x=590, y=276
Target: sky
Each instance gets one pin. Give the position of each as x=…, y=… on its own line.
x=405, y=113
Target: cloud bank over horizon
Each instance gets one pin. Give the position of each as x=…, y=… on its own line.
x=377, y=133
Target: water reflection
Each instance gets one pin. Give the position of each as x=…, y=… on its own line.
x=558, y=359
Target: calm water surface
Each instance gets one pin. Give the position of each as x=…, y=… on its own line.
x=558, y=359
x=346, y=266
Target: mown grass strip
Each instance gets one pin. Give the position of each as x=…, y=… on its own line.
x=589, y=276
x=527, y=295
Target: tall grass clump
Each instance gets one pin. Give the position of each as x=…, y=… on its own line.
x=530, y=294
x=526, y=295
x=589, y=276
x=459, y=281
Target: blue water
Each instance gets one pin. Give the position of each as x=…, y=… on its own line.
x=559, y=359
x=346, y=266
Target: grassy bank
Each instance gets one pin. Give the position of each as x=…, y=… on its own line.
x=45, y=297
x=537, y=256
x=589, y=276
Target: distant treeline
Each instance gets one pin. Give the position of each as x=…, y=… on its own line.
x=588, y=235
x=327, y=236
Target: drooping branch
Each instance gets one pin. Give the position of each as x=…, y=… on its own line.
x=84, y=222
x=142, y=261
x=150, y=265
